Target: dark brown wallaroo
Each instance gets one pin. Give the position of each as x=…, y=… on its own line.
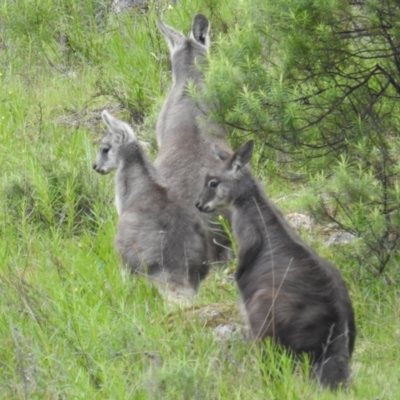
x=289, y=293
x=157, y=235
x=185, y=137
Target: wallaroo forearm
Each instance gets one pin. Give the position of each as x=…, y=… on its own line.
x=157, y=234
x=289, y=292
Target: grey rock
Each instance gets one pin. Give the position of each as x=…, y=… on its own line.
x=340, y=238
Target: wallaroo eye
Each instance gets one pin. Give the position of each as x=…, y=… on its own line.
x=213, y=184
x=105, y=150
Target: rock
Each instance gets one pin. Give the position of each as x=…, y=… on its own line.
x=223, y=319
x=224, y=332
x=340, y=238
x=118, y=6
x=297, y=221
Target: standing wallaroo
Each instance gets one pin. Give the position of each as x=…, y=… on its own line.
x=185, y=137
x=289, y=293
x=156, y=235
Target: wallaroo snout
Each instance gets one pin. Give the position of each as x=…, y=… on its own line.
x=98, y=170
x=157, y=235
x=289, y=293
x=185, y=135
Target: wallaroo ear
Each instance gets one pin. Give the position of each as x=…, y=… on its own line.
x=172, y=36
x=201, y=29
x=222, y=154
x=120, y=129
x=242, y=157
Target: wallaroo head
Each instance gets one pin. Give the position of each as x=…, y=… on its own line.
x=185, y=49
x=222, y=189
x=119, y=133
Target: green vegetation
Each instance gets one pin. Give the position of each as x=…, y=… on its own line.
x=317, y=84
x=70, y=326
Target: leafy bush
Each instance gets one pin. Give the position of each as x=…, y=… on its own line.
x=316, y=83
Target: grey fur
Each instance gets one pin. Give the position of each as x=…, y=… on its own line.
x=289, y=292
x=185, y=137
x=156, y=235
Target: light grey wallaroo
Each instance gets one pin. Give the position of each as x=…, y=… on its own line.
x=289, y=293
x=156, y=235
x=185, y=137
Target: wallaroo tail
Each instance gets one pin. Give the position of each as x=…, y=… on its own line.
x=157, y=235
x=289, y=293
x=185, y=136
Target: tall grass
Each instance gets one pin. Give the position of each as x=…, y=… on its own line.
x=70, y=325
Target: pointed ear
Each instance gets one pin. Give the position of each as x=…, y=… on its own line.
x=222, y=154
x=173, y=37
x=201, y=29
x=243, y=156
x=119, y=129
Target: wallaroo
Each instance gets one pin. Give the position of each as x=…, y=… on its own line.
x=185, y=137
x=289, y=293
x=156, y=235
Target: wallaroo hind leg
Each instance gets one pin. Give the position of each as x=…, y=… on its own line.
x=332, y=368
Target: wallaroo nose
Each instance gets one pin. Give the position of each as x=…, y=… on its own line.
x=94, y=166
x=198, y=204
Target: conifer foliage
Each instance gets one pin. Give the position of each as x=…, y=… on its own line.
x=317, y=84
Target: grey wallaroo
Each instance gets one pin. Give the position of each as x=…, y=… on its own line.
x=185, y=137
x=289, y=293
x=156, y=235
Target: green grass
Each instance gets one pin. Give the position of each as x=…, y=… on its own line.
x=70, y=326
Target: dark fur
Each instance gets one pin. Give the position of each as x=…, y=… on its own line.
x=289, y=292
